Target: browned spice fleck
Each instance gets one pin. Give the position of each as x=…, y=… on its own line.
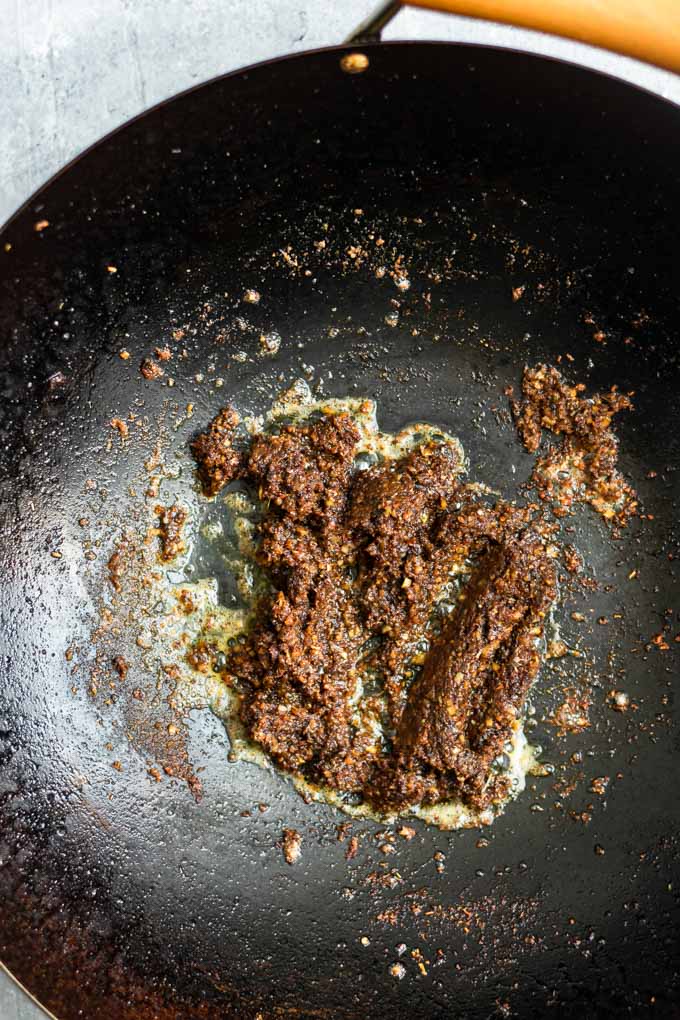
x=150, y=370
x=121, y=666
x=163, y=353
x=556, y=650
x=121, y=427
x=201, y=656
x=352, y=848
x=117, y=563
x=292, y=844
x=619, y=701
x=171, y=527
x=194, y=784
x=573, y=560
x=186, y=601
x=572, y=715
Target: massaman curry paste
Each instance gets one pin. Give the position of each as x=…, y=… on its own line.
x=582, y=467
x=401, y=622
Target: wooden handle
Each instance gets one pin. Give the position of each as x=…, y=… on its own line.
x=646, y=29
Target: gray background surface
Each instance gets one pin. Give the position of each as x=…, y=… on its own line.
x=73, y=70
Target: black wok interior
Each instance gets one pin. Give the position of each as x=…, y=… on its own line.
x=489, y=170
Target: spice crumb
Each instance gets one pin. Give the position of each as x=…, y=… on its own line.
x=150, y=370
x=121, y=666
x=292, y=844
x=352, y=848
x=619, y=701
x=121, y=427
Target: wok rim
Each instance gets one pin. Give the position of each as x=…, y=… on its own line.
x=339, y=48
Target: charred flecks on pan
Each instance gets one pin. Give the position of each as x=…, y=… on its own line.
x=348, y=678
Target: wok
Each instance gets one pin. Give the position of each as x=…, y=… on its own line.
x=487, y=171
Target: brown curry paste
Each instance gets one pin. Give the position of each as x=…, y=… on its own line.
x=353, y=675
x=582, y=468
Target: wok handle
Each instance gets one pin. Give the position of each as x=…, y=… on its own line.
x=646, y=29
